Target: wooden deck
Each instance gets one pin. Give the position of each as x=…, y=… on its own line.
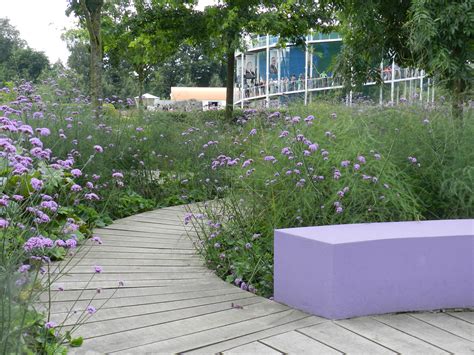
x=170, y=303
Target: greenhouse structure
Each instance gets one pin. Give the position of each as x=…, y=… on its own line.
x=269, y=74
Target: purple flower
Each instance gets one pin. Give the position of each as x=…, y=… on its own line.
x=76, y=172
x=36, y=184
x=253, y=132
x=76, y=188
x=247, y=163
x=248, y=246
x=345, y=163
x=43, y=131
x=269, y=158
x=24, y=268
x=339, y=209
x=117, y=175
x=36, y=142
x=283, y=134
x=98, y=269
x=37, y=243
x=98, y=149
x=286, y=151
x=356, y=166
x=91, y=196
x=50, y=325
x=60, y=243
x=3, y=223
x=97, y=240
x=361, y=159
x=91, y=310
x=313, y=147
x=71, y=243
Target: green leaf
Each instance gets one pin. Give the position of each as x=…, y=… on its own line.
x=76, y=342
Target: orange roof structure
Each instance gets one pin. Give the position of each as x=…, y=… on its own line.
x=200, y=94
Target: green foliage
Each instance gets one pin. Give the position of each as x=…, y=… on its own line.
x=17, y=60
x=387, y=185
x=130, y=203
x=436, y=36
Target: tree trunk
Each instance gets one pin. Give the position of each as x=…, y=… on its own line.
x=229, y=103
x=141, y=80
x=459, y=85
x=92, y=12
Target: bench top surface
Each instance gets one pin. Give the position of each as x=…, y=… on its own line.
x=353, y=233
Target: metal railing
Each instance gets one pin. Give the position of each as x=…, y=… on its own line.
x=287, y=86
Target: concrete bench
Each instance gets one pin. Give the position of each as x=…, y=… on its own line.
x=350, y=270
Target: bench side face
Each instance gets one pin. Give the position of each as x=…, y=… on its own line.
x=374, y=276
x=303, y=272
x=399, y=275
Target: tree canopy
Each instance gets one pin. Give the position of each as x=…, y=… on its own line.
x=435, y=36
x=17, y=60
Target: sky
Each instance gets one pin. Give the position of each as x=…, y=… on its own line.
x=41, y=23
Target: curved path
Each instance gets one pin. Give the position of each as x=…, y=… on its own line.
x=170, y=303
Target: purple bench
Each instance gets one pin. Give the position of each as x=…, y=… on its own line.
x=351, y=270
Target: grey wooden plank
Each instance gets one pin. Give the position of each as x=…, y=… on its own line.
x=145, y=239
x=157, y=221
x=448, y=323
x=388, y=336
x=144, y=229
x=122, y=326
x=140, y=243
x=278, y=326
x=175, y=221
x=106, y=276
x=119, y=255
x=467, y=316
x=297, y=343
x=140, y=262
x=200, y=338
x=135, y=300
x=252, y=348
x=427, y=332
x=128, y=269
x=165, y=214
x=70, y=284
x=130, y=250
x=343, y=340
x=155, y=309
x=142, y=336
x=156, y=235
x=152, y=224
x=72, y=295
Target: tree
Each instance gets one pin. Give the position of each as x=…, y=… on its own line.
x=230, y=21
x=30, y=63
x=441, y=39
x=17, y=60
x=434, y=35
x=189, y=66
x=78, y=44
x=90, y=14
x=146, y=34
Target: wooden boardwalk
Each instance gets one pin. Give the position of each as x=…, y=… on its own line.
x=171, y=303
